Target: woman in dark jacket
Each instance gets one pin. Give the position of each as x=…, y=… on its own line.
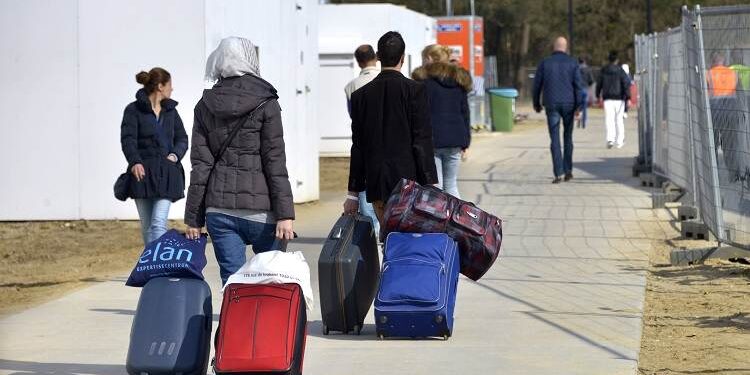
x=243, y=197
x=154, y=141
x=447, y=88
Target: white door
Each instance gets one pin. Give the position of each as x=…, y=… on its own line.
x=333, y=116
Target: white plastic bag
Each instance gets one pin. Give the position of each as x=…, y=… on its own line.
x=276, y=267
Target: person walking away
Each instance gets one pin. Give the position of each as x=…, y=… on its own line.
x=587, y=75
x=558, y=77
x=725, y=114
x=613, y=87
x=243, y=197
x=391, y=134
x=367, y=61
x=154, y=141
x=447, y=86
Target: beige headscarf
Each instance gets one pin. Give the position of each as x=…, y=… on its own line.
x=233, y=57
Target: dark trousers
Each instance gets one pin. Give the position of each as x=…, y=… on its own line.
x=731, y=133
x=562, y=161
x=585, y=108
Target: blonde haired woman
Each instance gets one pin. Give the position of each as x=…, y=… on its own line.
x=448, y=87
x=435, y=53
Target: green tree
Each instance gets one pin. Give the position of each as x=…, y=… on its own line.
x=520, y=32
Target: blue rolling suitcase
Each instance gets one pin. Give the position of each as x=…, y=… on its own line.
x=418, y=284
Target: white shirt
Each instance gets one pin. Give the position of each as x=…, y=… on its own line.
x=365, y=76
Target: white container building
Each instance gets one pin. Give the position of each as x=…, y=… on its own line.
x=67, y=69
x=342, y=28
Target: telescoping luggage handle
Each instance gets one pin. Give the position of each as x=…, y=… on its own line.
x=285, y=243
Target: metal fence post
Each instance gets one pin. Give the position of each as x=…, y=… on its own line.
x=689, y=115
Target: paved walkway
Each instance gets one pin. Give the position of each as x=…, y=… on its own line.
x=566, y=297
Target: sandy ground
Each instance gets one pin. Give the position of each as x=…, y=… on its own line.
x=697, y=318
x=42, y=260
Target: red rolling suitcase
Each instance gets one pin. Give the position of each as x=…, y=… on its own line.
x=262, y=330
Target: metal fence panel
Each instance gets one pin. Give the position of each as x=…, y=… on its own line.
x=725, y=33
x=644, y=51
x=694, y=118
x=700, y=118
x=668, y=109
x=679, y=163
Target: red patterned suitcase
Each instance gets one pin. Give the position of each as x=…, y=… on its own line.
x=262, y=330
x=413, y=208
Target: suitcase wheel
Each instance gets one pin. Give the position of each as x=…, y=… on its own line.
x=446, y=335
x=326, y=331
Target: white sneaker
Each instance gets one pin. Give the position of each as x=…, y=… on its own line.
x=620, y=145
x=610, y=144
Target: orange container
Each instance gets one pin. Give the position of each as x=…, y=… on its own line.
x=454, y=33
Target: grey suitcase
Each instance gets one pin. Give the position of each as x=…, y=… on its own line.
x=171, y=329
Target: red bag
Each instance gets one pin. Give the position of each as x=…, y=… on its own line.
x=413, y=208
x=262, y=329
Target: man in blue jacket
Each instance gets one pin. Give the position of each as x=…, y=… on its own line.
x=558, y=79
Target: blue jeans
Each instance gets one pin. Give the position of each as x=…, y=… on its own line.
x=447, y=161
x=365, y=208
x=562, y=161
x=153, y=214
x=231, y=235
x=585, y=108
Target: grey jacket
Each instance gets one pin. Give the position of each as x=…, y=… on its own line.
x=252, y=172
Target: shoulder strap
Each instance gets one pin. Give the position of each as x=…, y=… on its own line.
x=234, y=132
x=224, y=146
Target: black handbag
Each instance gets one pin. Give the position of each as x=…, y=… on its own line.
x=122, y=186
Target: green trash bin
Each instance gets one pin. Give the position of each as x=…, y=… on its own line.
x=502, y=108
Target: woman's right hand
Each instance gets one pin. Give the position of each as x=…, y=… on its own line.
x=138, y=172
x=193, y=233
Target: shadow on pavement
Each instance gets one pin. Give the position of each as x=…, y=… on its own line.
x=613, y=169
x=537, y=316
x=37, y=368
x=315, y=328
x=115, y=311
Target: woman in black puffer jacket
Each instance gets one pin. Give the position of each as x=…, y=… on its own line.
x=154, y=141
x=243, y=197
x=448, y=86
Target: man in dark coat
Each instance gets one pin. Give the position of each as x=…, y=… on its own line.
x=559, y=78
x=391, y=134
